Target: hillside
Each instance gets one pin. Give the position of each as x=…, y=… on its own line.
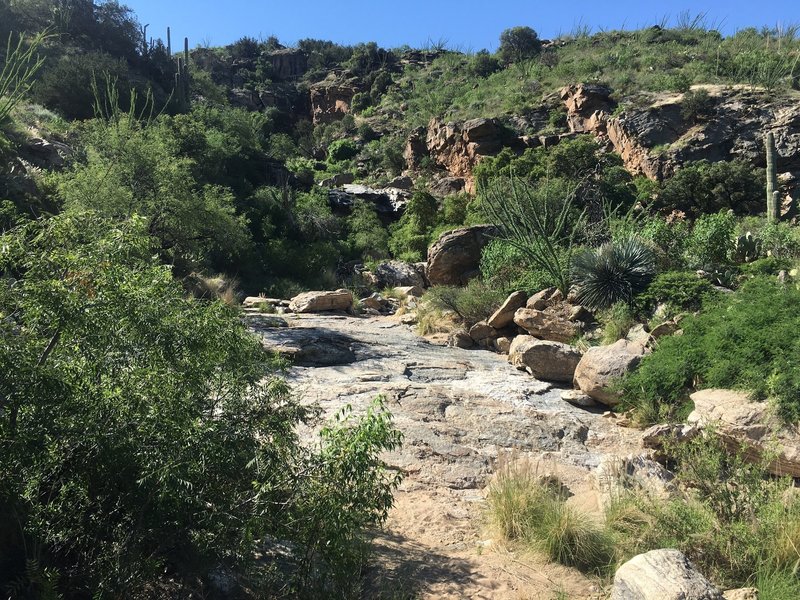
x=318, y=320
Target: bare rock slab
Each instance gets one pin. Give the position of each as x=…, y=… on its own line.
x=546, y=326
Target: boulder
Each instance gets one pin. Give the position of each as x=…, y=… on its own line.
x=409, y=291
x=388, y=202
x=455, y=257
x=601, y=366
x=546, y=326
x=459, y=339
x=375, y=302
x=615, y=475
x=585, y=103
x=504, y=315
x=482, y=331
x=541, y=299
x=749, y=427
x=580, y=313
x=330, y=101
x=662, y=575
x=338, y=180
x=401, y=182
x=396, y=273
x=545, y=360
x=665, y=329
x=308, y=302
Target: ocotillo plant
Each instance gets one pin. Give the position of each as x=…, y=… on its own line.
x=772, y=179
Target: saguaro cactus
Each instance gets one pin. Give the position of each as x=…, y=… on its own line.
x=181, y=90
x=773, y=196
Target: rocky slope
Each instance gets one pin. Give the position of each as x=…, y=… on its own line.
x=461, y=412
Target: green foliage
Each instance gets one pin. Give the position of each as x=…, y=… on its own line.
x=472, y=303
x=668, y=238
x=539, y=221
x=518, y=44
x=366, y=235
x=703, y=187
x=679, y=290
x=696, y=106
x=506, y=268
x=342, y=150
x=20, y=65
x=145, y=439
x=743, y=340
x=614, y=272
x=711, y=240
x=531, y=510
x=483, y=64
x=411, y=235
x=617, y=320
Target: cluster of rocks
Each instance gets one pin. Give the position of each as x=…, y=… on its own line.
x=536, y=333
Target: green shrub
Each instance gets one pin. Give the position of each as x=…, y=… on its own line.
x=766, y=266
x=615, y=272
x=734, y=524
x=173, y=438
x=679, y=290
x=472, y=303
x=518, y=44
x=743, y=340
x=341, y=150
x=669, y=240
x=696, y=106
x=616, y=320
x=711, y=240
x=410, y=236
x=483, y=64
x=506, y=268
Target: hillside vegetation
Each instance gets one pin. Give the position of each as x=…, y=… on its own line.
x=149, y=446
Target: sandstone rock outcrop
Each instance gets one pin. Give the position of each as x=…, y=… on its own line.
x=455, y=257
x=601, y=366
x=288, y=63
x=586, y=104
x=749, y=427
x=309, y=302
x=662, y=575
x=388, y=202
x=545, y=360
x=330, y=101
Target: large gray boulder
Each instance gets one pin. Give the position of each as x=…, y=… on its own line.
x=602, y=366
x=309, y=302
x=455, y=257
x=546, y=325
x=545, y=360
x=395, y=273
x=662, y=575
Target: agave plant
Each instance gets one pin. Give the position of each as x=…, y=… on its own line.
x=614, y=272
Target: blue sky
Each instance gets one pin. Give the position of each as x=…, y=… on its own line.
x=465, y=24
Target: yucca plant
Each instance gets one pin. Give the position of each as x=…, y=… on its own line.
x=614, y=272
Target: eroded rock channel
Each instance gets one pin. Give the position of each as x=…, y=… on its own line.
x=460, y=412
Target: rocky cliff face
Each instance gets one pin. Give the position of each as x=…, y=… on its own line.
x=654, y=139
x=331, y=100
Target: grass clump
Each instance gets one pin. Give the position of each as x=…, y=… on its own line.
x=739, y=527
x=472, y=303
x=532, y=511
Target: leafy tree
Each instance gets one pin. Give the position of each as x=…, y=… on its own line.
x=367, y=236
x=411, y=234
x=518, y=44
x=145, y=439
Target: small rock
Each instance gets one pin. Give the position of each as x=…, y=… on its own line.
x=578, y=398
x=638, y=334
x=665, y=329
x=374, y=302
x=539, y=300
x=502, y=345
x=579, y=313
x=741, y=594
x=409, y=319
x=406, y=291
